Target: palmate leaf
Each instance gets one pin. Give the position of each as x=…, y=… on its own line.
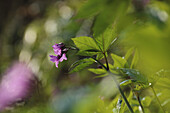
x=106, y=39
x=85, y=43
x=81, y=64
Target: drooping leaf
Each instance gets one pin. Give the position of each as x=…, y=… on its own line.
x=98, y=71
x=106, y=39
x=135, y=74
x=135, y=59
x=118, y=61
x=85, y=43
x=81, y=64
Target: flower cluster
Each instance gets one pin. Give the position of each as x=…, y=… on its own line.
x=60, y=50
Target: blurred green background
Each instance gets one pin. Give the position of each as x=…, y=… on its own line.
x=29, y=28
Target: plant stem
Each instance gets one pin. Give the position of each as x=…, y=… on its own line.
x=117, y=84
x=107, y=64
x=140, y=103
x=121, y=92
x=157, y=98
x=100, y=64
x=138, y=99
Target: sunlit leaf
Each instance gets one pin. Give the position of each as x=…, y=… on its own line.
x=98, y=71
x=86, y=53
x=85, y=43
x=99, y=56
x=100, y=76
x=126, y=82
x=118, y=61
x=106, y=39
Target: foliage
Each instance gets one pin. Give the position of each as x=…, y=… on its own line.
x=117, y=51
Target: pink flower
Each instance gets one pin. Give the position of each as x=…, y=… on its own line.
x=60, y=51
x=15, y=84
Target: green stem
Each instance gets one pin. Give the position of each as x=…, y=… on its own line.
x=117, y=84
x=107, y=64
x=100, y=63
x=157, y=99
x=140, y=103
x=121, y=92
x=138, y=98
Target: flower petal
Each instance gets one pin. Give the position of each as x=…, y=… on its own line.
x=53, y=58
x=63, y=57
x=56, y=46
x=57, y=51
x=56, y=63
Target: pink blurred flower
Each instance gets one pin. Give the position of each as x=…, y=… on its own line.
x=15, y=84
x=60, y=51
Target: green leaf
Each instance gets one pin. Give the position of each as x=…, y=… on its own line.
x=118, y=61
x=135, y=59
x=81, y=64
x=126, y=82
x=139, y=86
x=98, y=71
x=86, y=53
x=135, y=74
x=85, y=43
x=146, y=101
x=160, y=74
x=100, y=76
x=129, y=53
x=106, y=39
x=99, y=56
